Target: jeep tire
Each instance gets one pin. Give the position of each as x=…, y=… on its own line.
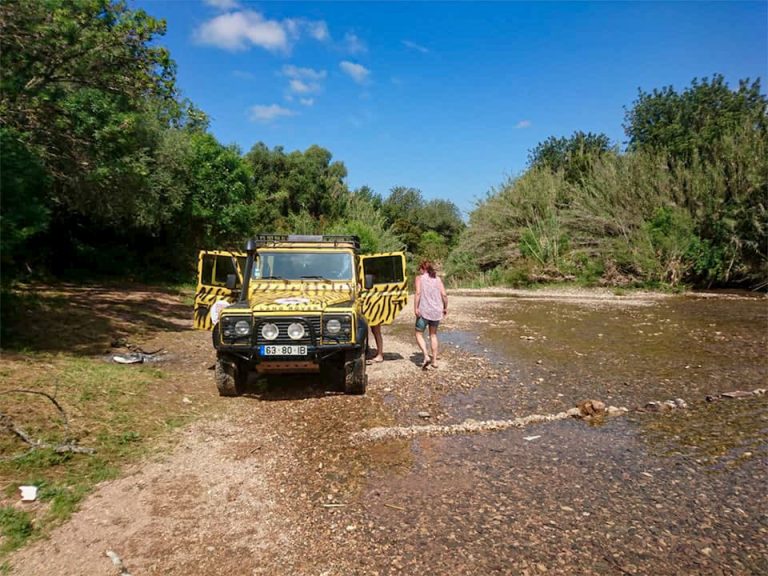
x=231, y=376
x=355, y=378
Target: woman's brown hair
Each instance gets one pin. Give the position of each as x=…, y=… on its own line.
x=428, y=267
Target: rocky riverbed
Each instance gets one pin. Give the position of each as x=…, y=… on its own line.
x=284, y=481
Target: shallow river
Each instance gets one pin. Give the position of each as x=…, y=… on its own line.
x=683, y=492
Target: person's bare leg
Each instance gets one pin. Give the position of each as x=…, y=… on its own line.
x=433, y=342
x=379, y=344
x=423, y=345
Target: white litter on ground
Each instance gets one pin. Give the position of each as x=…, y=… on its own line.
x=28, y=493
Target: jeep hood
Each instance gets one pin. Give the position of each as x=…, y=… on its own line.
x=303, y=299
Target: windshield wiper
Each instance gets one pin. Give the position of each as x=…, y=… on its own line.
x=316, y=278
x=271, y=278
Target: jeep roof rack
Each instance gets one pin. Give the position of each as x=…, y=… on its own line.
x=335, y=240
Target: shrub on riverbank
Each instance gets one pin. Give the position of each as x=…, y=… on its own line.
x=650, y=216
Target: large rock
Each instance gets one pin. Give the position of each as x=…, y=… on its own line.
x=591, y=408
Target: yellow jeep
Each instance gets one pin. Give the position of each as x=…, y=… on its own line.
x=296, y=304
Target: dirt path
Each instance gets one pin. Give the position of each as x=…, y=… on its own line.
x=241, y=493
x=274, y=484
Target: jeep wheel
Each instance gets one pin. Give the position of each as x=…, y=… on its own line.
x=231, y=377
x=355, y=378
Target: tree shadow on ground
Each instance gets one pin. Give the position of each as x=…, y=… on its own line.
x=84, y=320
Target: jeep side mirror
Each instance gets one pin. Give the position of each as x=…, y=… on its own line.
x=231, y=281
x=368, y=281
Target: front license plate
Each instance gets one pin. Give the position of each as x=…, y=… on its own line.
x=281, y=350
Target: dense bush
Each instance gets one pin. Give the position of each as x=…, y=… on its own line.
x=686, y=214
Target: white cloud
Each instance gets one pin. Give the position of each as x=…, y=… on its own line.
x=245, y=28
x=307, y=101
x=303, y=73
x=304, y=80
x=223, y=4
x=357, y=72
x=239, y=30
x=414, y=46
x=523, y=124
x=353, y=44
x=269, y=113
x=299, y=87
x=318, y=30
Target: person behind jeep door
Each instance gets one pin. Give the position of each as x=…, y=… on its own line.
x=430, y=306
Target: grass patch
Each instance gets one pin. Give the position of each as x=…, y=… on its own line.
x=117, y=410
x=16, y=528
x=55, y=339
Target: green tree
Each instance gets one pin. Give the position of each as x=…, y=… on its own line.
x=23, y=212
x=402, y=212
x=75, y=81
x=299, y=182
x=221, y=207
x=443, y=218
x=574, y=155
x=403, y=203
x=364, y=218
x=690, y=123
x=367, y=194
x=433, y=246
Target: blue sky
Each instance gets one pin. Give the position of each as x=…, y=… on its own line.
x=444, y=97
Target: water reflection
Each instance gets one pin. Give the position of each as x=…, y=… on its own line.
x=728, y=433
x=559, y=353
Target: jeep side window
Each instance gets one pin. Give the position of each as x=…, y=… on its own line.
x=217, y=268
x=385, y=269
x=206, y=276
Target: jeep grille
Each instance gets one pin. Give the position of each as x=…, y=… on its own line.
x=311, y=330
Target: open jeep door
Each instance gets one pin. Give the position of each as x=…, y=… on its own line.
x=213, y=267
x=389, y=293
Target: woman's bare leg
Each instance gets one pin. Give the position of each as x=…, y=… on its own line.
x=379, y=343
x=433, y=342
x=423, y=346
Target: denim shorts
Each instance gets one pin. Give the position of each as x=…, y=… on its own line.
x=422, y=323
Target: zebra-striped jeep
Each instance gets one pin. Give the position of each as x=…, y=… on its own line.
x=296, y=304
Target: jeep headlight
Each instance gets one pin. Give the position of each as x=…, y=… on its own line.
x=242, y=328
x=296, y=331
x=333, y=326
x=337, y=328
x=269, y=331
x=235, y=327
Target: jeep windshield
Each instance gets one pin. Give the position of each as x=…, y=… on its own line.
x=296, y=265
